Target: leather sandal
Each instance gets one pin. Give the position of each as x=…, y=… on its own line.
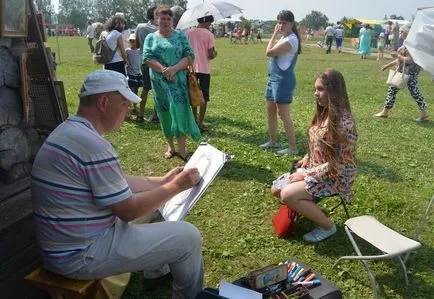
x=380, y=114
x=422, y=119
x=186, y=157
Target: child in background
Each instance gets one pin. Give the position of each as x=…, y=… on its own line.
x=259, y=36
x=134, y=68
x=329, y=166
x=380, y=45
x=252, y=36
x=238, y=34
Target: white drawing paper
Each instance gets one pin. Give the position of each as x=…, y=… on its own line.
x=209, y=161
x=232, y=291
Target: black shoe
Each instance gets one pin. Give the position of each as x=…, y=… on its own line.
x=140, y=119
x=156, y=283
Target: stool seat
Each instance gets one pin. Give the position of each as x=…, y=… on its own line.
x=59, y=286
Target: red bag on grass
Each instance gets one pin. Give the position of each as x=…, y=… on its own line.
x=284, y=222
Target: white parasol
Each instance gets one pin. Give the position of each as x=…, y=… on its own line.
x=217, y=9
x=420, y=39
x=233, y=19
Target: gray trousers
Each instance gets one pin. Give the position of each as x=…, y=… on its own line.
x=132, y=247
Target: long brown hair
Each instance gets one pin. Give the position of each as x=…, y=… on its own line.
x=115, y=23
x=337, y=105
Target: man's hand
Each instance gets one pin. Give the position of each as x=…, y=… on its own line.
x=172, y=174
x=187, y=178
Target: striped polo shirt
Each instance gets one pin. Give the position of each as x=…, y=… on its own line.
x=76, y=175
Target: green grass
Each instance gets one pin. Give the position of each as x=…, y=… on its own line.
x=394, y=157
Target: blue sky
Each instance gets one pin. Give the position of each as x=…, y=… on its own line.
x=333, y=9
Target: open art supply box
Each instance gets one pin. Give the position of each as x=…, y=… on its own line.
x=326, y=290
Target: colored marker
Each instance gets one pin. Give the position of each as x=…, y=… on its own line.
x=296, y=269
x=308, y=283
x=305, y=274
x=296, y=274
x=296, y=266
x=310, y=277
x=297, y=277
x=295, y=294
x=291, y=266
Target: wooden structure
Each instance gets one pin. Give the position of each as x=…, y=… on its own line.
x=60, y=287
x=32, y=104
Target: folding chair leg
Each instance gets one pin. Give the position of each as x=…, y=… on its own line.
x=421, y=225
x=365, y=264
x=345, y=208
x=404, y=269
x=371, y=278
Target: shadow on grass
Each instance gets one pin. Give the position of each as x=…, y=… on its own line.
x=236, y=171
x=366, y=167
x=419, y=263
x=253, y=139
x=147, y=124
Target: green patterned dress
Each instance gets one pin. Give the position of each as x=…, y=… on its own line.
x=171, y=98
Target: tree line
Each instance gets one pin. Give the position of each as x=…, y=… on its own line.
x=316, y=20
x=78, y=12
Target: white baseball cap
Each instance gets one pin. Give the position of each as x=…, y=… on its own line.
x=102, y=81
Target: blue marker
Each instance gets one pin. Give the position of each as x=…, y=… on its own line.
x=292, y=273
x=315, y=282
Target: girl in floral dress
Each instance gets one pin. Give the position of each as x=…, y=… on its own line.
x=329, y=166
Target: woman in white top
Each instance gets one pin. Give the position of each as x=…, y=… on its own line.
x=281, y=80
x=114, y=26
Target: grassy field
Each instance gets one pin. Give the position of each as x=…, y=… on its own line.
x=394, y=158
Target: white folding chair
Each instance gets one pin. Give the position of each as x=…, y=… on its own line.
x=390, y=242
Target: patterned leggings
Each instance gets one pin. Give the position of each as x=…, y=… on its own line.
x=412, y=88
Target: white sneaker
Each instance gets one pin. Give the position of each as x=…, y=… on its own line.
x=287, y=151
x=269, y=144
x=319, y=234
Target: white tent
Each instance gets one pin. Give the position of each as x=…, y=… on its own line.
x=234, y=19
x=400, y=22
x=420, y=39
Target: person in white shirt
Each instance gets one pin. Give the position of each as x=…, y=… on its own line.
x=329, y=35
x=90, y=35
x=281, y=82
x=114, y=26
x=339, y=36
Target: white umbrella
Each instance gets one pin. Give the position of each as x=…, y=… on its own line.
x=420, y=39
x=217, y=9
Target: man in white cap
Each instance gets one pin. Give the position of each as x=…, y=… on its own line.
x=83, y=202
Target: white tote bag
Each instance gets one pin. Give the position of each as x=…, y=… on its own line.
x=397, y=79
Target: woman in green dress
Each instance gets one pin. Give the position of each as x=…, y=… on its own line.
x=166, y=53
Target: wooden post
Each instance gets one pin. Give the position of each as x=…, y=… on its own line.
x=24, y=88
